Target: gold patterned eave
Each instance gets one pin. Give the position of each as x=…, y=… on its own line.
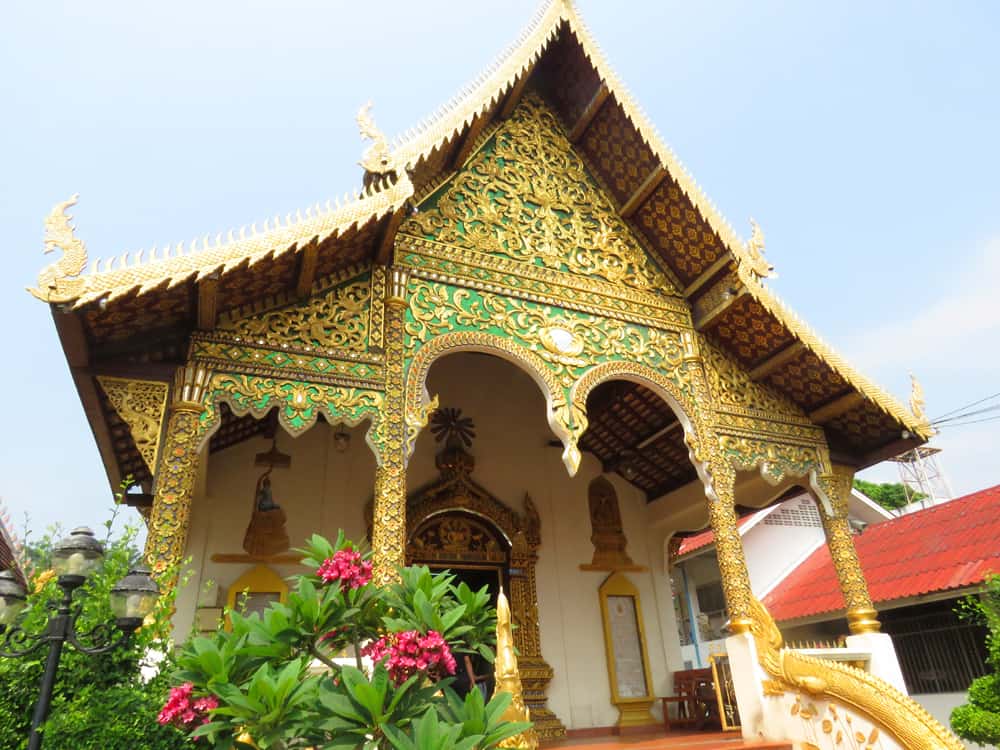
x=141, y=272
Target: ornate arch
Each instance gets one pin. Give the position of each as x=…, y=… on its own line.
x=419, y=403
x=676, y=396
x=299, y=405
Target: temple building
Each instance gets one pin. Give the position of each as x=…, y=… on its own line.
x=529, y=350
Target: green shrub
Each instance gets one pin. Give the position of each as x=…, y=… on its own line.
x=275, y=678
x=979, y=719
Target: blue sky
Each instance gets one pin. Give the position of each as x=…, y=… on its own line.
x=862, y=136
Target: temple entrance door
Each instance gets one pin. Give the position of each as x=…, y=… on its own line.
x=470, y=547
x=474, y=577
x=477, y=554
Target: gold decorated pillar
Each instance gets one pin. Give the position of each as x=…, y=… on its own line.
x=536, y=674
x=176, y=471
x=729, y=545
x=389, y=520
x=834, y=490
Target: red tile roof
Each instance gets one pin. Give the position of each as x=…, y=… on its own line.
x=946, y=547
x=703, y=539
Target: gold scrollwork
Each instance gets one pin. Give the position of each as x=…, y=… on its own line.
x=733, y=390
x=775, y=460
x=141, y=404
x=528, y=196
x=337, y=319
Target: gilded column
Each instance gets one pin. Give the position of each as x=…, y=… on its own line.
x=176, y=471
x=835, y=489
x=389, y=521
x=536, y=674
x=729, y=545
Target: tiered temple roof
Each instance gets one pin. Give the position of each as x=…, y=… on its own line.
x=139, y=309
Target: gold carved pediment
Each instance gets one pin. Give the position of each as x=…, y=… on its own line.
x=526, y=195
x=141, y=404
x=340, y=318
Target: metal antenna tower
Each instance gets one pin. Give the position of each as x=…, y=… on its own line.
x=920, y=472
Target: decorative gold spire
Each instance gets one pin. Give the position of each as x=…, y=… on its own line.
x=754, y=253
x=377, y=159
x=508, y=678
x=917, y=402
x=56, y=282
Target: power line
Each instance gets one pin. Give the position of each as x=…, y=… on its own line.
x=967, y=406
x=974, y=421
x=965, y=415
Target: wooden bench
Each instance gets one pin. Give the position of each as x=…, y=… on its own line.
x=694, y=697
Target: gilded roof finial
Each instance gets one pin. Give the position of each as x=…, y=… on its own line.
x=55, y=281
x=377, y=158
x=917, y=401
x=508, y=679
x=754, y=256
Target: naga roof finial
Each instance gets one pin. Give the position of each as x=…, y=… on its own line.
x=754, y=255
x=377, y=158
x=57, y=282
x=918, y=403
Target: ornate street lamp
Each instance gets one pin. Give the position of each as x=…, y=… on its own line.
x=73, y=560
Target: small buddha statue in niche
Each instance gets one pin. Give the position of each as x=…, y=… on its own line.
x=266, y=535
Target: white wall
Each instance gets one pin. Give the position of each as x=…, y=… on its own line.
x=326, y=490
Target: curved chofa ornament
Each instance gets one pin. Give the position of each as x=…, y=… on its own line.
x=57, y=282
x=918, y=403
x=753, y=255
x=793, y=673
x=377, y=158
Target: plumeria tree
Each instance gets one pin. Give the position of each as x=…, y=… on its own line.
x=276, y=679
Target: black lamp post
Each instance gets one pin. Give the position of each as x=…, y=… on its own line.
x=73, y=560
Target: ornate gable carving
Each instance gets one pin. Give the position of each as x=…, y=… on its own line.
x=733, y=390
x=336, y=319
x=526, y=195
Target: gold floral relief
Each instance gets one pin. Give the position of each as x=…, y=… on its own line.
x=528, y=196
x=732, y=388
x=336, y=319
x=141, y=404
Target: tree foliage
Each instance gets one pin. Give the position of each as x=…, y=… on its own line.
x=275, y=679
x=979, y=719
x=890, y=495
x=99, y=702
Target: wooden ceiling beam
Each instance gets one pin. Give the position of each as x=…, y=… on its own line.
x=835, y=408
x=516, y=92
x=781, y=357
x=589, y=112
x=652, y=181
x=307, y=270
x=704, y=319
x=708, y=274
x=208, y=302
x=387, y=239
